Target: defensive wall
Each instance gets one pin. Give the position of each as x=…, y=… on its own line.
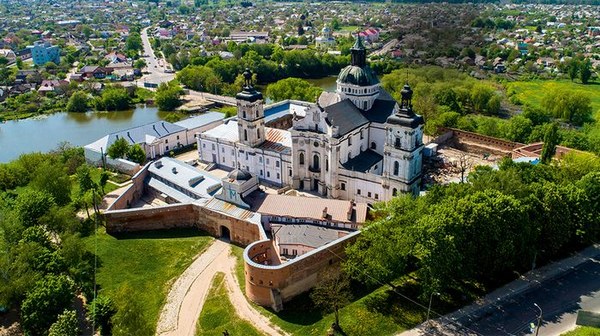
x=482, y=142
x=271, y=282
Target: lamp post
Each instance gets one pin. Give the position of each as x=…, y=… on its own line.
x=539, y=319
x=429, y=307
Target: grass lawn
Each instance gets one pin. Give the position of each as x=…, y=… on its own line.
x=219, y=315
x=583, y=331
x=532, y=92
x=147, y=262
x=349, y=29
x=372, y=313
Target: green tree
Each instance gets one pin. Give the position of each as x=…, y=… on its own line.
x=136, y=154
x=550, y=142
x=31, y=205
x=140, y=64
x=293, y=88
x=78, y=102
x=518, y=129
x=65, y=325
x=45, y=302
x=100, y=312
x=118, y=149
x=53, y=179
x=569, y=105
x=133, y=42
x=115, y=98
x=167, y=96
x=332, y=293
x=573, y=68
x=104, y=177
x=585, y=71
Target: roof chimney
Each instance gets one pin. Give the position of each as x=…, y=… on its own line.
x=325, y=212
x=174, y=170
x=349, y=213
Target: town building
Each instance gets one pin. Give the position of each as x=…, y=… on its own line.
x=326, y=40
x=356, y=143
x=44, y=52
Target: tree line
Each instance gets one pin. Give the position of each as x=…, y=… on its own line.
x=467, y=238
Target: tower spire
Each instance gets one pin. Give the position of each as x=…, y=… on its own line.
x=358, y=52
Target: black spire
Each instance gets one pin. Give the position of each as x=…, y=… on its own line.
x=406, y=103
x=248, y=93
x=358, y=52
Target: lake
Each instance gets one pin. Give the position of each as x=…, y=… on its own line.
x=45, y=133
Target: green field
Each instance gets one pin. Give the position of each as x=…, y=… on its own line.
x=218, y=314
x=146, y=262
x=583, y=331
x=376, y=313
x=532, y=92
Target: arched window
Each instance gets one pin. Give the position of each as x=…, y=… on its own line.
x=244, y=114
x=396, y=168
x=364, y=105
x=245, y=135
x=373, y=145
x=301, y=158
x=326, y=164
x=397, y=143
x=316, y=162
x=395, y=192
x=258, y=133
x=343, y=186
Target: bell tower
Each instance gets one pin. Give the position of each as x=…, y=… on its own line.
x=250, y=113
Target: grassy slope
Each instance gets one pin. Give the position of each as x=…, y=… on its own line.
x=583, y=331
x=532, y=92
x=219, y=315
x=361, y=317
x=148, y=262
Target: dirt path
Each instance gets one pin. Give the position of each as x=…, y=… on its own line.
x=188, y=293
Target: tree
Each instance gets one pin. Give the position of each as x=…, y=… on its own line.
x=65, y=325
x=332, y=293
x=569, y=105
x=585, y=71
x=136, y=154
x=550, y=142
x=31, y=205
x=42, y=305
x=118, y=149
x=115, y=98
x=104, y=177
x=140, y=64
x=101, y=311
x=573, y=68
x=53, y=179
x=293, y=88
x=133, y=42
x=167, y=96
x=78, y=102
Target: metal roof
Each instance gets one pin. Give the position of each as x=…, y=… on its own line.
x=363, y=161
x=304, y=234
x=182, y=178
x=345, y=115
x=138, y=135
x=232, y=210
x=201, y=120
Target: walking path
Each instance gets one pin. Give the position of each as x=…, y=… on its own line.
x=188, y=293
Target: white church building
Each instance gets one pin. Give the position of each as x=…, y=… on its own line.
x=357, y=143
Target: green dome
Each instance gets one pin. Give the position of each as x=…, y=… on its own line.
x=356, y=75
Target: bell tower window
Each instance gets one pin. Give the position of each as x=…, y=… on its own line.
x=396, y=168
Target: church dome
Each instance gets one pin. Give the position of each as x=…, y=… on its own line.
x=239, y=175
x=326, y=30
x=362, y=76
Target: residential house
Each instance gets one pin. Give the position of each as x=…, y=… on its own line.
x=9, y=55
x=52, y=85
x=44, y=52
x=115, y=57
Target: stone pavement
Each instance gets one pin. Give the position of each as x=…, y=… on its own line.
x=448, y=325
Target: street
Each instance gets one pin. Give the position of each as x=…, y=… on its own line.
x=559, y=299
x=154, y=65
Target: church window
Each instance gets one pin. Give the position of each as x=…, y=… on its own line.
x=167, y=141
x=343, y=186
x=232, y=151
x=396, y=168
x=261, y=172
x=290, y=173
x=364, y=105
x=222, y=149
x=369, y=194
x=365, y=90
x=376, y=196
x=277, y=164
x=358, y=191
x=245, y=135
x=315, y=162
x=167, y=148
x=361, y=135
x=178, y=137
x=258, y=133
x=223, y=159
x=373, y=145
x=397, y=142
x=326, y=164
x=301, y=158
x=268, y=174
x=244, y=115
x=395, y=192
x=246, y=156
x=350, y=141
x=278, y=176
x=267, y=160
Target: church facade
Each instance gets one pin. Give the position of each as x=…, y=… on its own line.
x=357, y=143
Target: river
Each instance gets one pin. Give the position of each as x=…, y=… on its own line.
x=45, y=133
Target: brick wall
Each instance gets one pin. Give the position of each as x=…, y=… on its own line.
x=500, y=146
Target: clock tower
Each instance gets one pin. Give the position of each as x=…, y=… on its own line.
x=250, y=113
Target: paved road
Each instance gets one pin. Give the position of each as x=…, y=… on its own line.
x=156, y=66
x=560, y=299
